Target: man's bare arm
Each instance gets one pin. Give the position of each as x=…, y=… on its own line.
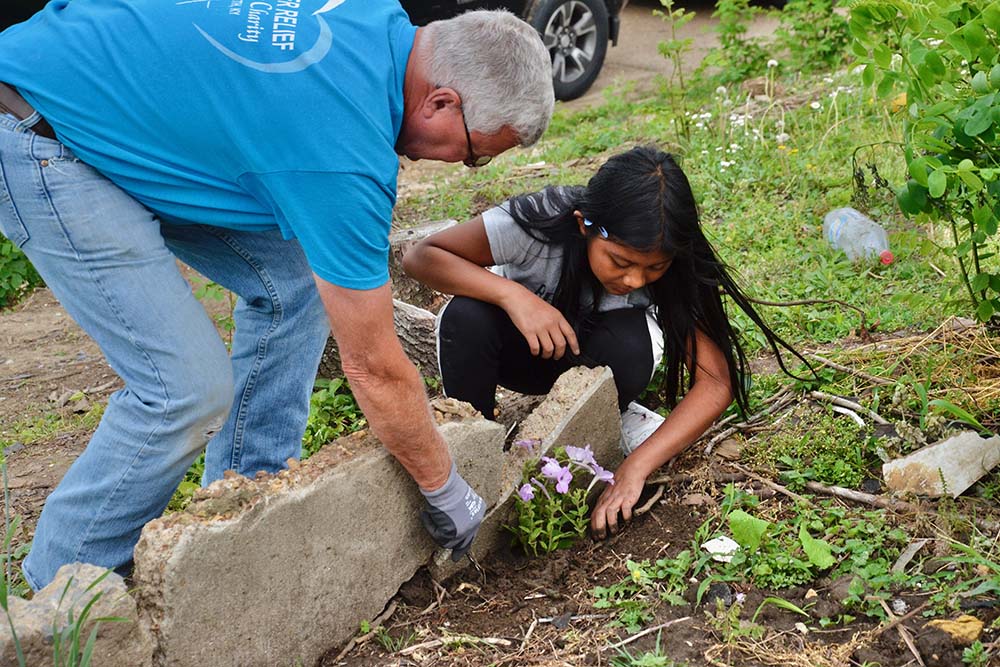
x=385, y=382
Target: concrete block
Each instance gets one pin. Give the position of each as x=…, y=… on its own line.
x=281, y=568
x=119, y=644
x=947, y=467
x=581, y=409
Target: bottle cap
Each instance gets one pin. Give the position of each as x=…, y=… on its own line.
x=886, y=257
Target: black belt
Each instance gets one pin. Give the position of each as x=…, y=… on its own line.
x=11, y=102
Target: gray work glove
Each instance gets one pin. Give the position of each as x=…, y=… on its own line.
x=454, y=514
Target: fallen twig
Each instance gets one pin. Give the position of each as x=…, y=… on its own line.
x=647, y=631
x=844, y=403
x=901, y=619
x=904, y=634
x=774, y=485
x=652, y=501
x=455, y=639
x=375, y=625
x=874, y=379
x=777, y=402
x=527, y=635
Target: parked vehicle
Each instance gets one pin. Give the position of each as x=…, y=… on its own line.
x=576, y=32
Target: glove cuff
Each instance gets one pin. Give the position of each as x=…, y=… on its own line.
x=450, y=486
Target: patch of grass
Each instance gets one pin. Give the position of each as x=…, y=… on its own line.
x=655, y=658
x=816, y=444
x=50, y=425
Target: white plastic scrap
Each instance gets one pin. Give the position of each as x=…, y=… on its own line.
x=722, y=548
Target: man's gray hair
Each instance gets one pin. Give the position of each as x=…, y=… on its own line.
x=498, y=65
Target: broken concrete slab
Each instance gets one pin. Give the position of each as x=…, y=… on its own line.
x=36, y=622
x=581, y=409
x=277, y=569
x=947, y=467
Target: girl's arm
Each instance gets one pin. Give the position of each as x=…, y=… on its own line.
x=710, y=395
x=453, y=261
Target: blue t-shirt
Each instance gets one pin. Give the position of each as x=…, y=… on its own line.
x=246, y=114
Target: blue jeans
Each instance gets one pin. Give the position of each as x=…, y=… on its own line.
x=112, y=264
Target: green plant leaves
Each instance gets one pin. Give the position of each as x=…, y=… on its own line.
x=818, y=551
x=747, y=530
x=937, y=183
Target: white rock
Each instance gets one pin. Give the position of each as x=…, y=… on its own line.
x=722, y=548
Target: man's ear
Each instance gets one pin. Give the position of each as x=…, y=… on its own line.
x=439, y=99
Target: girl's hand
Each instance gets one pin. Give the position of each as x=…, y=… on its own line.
x=542, y=325
x=619, y=497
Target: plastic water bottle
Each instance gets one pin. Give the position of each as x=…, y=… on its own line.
x=857, y=235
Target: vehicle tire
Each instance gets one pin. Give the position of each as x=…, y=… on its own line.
x=576, y=34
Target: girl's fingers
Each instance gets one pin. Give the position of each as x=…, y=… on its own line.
x=559, y=340
x=570, y=336
x=533, y=344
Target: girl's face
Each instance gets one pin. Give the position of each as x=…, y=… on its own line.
x=622, y=269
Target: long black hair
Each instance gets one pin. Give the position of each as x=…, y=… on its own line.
x=643, y=200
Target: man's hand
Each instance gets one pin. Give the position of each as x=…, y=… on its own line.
x=454, y=515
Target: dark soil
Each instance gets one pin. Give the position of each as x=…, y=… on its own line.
x=539, y=611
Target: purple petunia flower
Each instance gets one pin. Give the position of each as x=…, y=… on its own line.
x=551, y=469
x=527, y=443
x=603, y=475
x=562, y=482
x=526, y=492
x=581, y=455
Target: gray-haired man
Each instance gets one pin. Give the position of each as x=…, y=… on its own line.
x=257, y=140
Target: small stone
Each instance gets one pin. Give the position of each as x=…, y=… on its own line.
x=810, y=594
x=729, y=449
x=230, y=474
x=718, y=592
x=964, y=630
x=293, y=464
x=872, y=486
x=899, y=606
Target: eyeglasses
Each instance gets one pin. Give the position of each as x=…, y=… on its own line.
x=472, y=160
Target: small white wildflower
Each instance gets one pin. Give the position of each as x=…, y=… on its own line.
x=858, y=70
x=741, y=598
x=896, y=64
x=734, y=147
x=827, y=79
x=782, y=138
x=699, y=125
x=718, y=148
x=721, y=90
x=772, y=63
x=815, y=105
x=726, y=163
x=780, y=124
x=934, y=43
x=704, y=152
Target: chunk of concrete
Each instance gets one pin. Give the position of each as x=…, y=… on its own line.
x=947, y=467
x=581, y=409
x=279, y=569
x=36, y=623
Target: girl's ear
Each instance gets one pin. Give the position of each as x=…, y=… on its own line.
x=579, y=223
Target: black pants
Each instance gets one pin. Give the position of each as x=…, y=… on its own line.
x=479, y=348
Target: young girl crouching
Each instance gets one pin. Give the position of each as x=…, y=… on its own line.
x=618, y=274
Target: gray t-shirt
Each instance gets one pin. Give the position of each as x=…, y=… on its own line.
x=537, y=265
